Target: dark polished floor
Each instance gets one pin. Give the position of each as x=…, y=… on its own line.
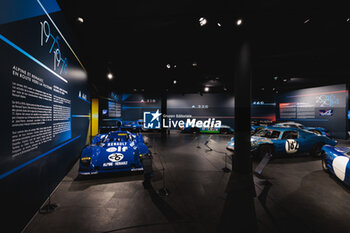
x=293, y=194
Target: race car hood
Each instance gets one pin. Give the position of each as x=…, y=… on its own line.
x=111, y=154
x=342, y=149
x=259, y=140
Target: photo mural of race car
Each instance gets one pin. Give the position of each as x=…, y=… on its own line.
x=113, y=152
x=336, y=161
x=284, y=140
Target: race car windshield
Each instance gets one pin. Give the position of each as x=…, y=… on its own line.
x=267, y=133
x=117, y=137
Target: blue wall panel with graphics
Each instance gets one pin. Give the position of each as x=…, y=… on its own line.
x=45, y=106
x=320, y=106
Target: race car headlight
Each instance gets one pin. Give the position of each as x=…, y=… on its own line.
x=85, y=161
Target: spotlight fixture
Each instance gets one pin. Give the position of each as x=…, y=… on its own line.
x=275, y=78
x=174, y=66
x=80, y=20
x=306, y=21
x=168, y=66
x=263, y=89
x=174, y=82
x=206, y=89
x=219, y=24
x=348, y=20
x=110, y=76
x=135, y=89
x=239, y=22
x=225, y=89
x=194, y=64
x=285, y=80
x=203, y=21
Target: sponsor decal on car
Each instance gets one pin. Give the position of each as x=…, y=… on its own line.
x=110, y=164
x=111, y=149
x=116, y=157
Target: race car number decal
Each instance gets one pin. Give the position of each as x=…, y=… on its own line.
x=291, y=146
x=115, y=157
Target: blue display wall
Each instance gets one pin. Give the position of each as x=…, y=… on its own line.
x=45, y=106
x=325, y=106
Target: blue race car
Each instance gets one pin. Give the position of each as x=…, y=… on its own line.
x=224, y=129
x=291, y=124
x=133, y=125
x=282, y=140
x=336, y=161
x=113, y=152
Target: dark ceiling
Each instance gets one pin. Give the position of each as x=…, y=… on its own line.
x=302, y=44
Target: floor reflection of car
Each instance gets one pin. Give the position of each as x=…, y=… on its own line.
x=284, y=141
x=336, y=161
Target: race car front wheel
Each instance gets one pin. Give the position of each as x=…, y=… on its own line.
x=265, y=149
x=317, y=150
x=324, y=162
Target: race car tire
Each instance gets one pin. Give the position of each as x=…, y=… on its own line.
x=195, y=130
x=265, y=149
x=224, y=131
x=324, y=162
x=317, y=150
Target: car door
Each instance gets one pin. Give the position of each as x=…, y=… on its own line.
x=292, y=142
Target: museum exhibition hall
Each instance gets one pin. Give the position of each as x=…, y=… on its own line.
x=175, y=116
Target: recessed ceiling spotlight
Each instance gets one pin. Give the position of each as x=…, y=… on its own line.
x=80, y=20
x=135, y=89
x=275, y=78
x=262, y=89
x=174, y=81
x=285, y=80
x=217, y=78
x=168, y=66
x=348, y=20
x=273, y=88
x=219, y=24
x=239, y=22
x=306, y=21
x=174, y=66
x=225, y=89
x=203, y=21
x=110, y=76
x=206, y=89
x=194, y=64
